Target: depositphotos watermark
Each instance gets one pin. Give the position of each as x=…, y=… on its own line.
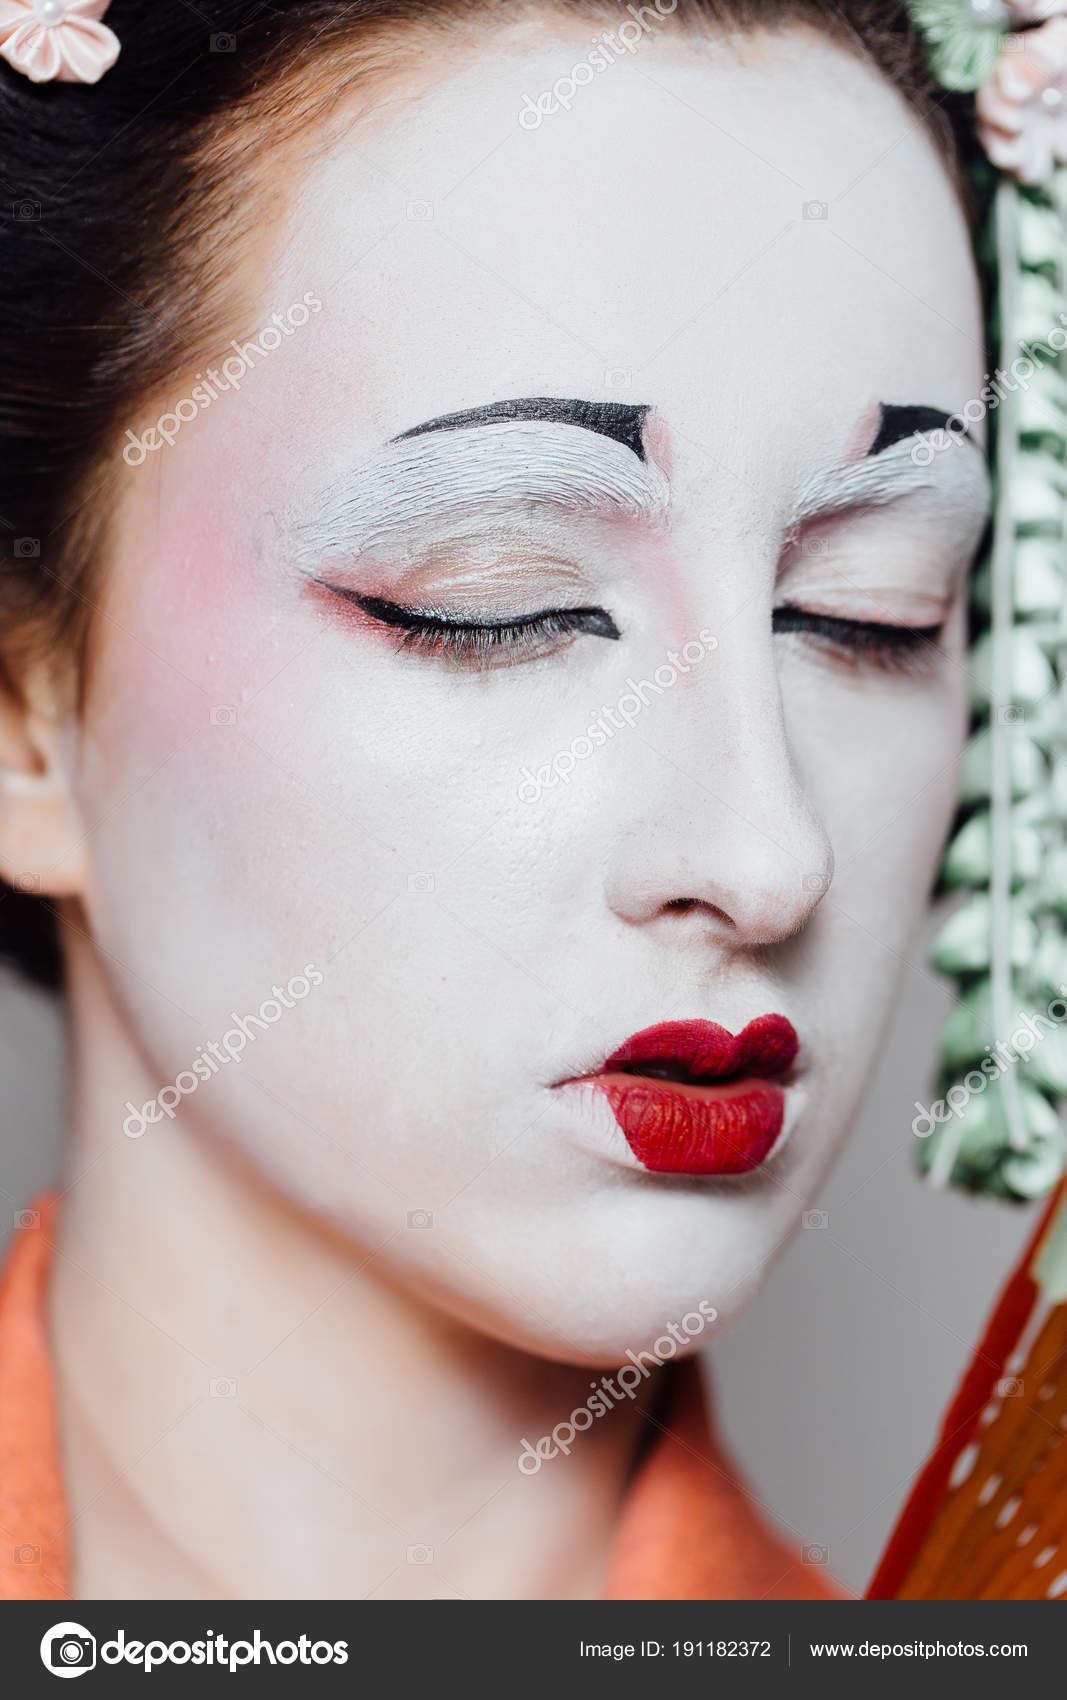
x=633, y=701
x=230, y=1048
x=69, y=1650
x=999, y=1058
x=606, y=1392
x=210, y=385
x=997, y=384
x=607, y=46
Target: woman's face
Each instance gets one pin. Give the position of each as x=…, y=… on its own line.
x=508, y=850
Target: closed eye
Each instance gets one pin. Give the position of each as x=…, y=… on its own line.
x=883, y=645
x=481, y=644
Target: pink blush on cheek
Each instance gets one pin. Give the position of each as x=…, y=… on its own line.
x=193, y=623
x=184, y=661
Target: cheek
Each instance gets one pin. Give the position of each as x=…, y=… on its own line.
x=260, y=791
x=881, y=764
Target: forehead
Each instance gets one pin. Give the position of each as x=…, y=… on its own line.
x=659, y=241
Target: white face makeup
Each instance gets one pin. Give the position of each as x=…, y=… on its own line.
x=355, y=603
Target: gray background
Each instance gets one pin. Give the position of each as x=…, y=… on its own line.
x=831, y=1389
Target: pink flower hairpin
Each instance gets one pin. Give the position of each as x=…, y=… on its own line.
x=60, y=39
x=1022, y=109
x=1035, y=11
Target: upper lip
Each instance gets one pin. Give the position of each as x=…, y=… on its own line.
x=695, y=1052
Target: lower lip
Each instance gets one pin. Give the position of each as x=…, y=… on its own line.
x=677, y=1129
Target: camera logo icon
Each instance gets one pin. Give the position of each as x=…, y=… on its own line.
x=68, y=1649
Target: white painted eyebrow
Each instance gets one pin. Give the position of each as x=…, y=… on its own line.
x=957, y=472
x=461, y=477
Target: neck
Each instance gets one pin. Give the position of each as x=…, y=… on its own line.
x=251, y=1409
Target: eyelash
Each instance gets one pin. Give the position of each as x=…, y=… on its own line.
x=482, y=644
x=897, y=649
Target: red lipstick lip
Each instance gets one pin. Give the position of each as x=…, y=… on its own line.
x=766, y=1047
x=692, y=1098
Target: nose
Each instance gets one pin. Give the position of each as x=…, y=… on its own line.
x=724, y=840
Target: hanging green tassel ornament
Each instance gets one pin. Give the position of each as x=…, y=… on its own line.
x=1003, y=1059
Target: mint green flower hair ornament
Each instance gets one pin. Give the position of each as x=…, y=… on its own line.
x=1003, y=1063
x=962, y=41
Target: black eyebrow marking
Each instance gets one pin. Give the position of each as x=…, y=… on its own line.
x=621, y=420
x=900, y=422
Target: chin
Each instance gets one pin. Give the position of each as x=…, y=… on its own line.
x=628, y=1270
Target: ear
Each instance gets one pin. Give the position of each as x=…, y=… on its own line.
x=42, y=841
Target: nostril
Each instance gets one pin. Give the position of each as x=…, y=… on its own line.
x=694, y=905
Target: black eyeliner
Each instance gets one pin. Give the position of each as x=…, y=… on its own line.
x=856, y=634
x=596, y=621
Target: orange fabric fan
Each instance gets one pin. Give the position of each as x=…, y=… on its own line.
x=987, y=1518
